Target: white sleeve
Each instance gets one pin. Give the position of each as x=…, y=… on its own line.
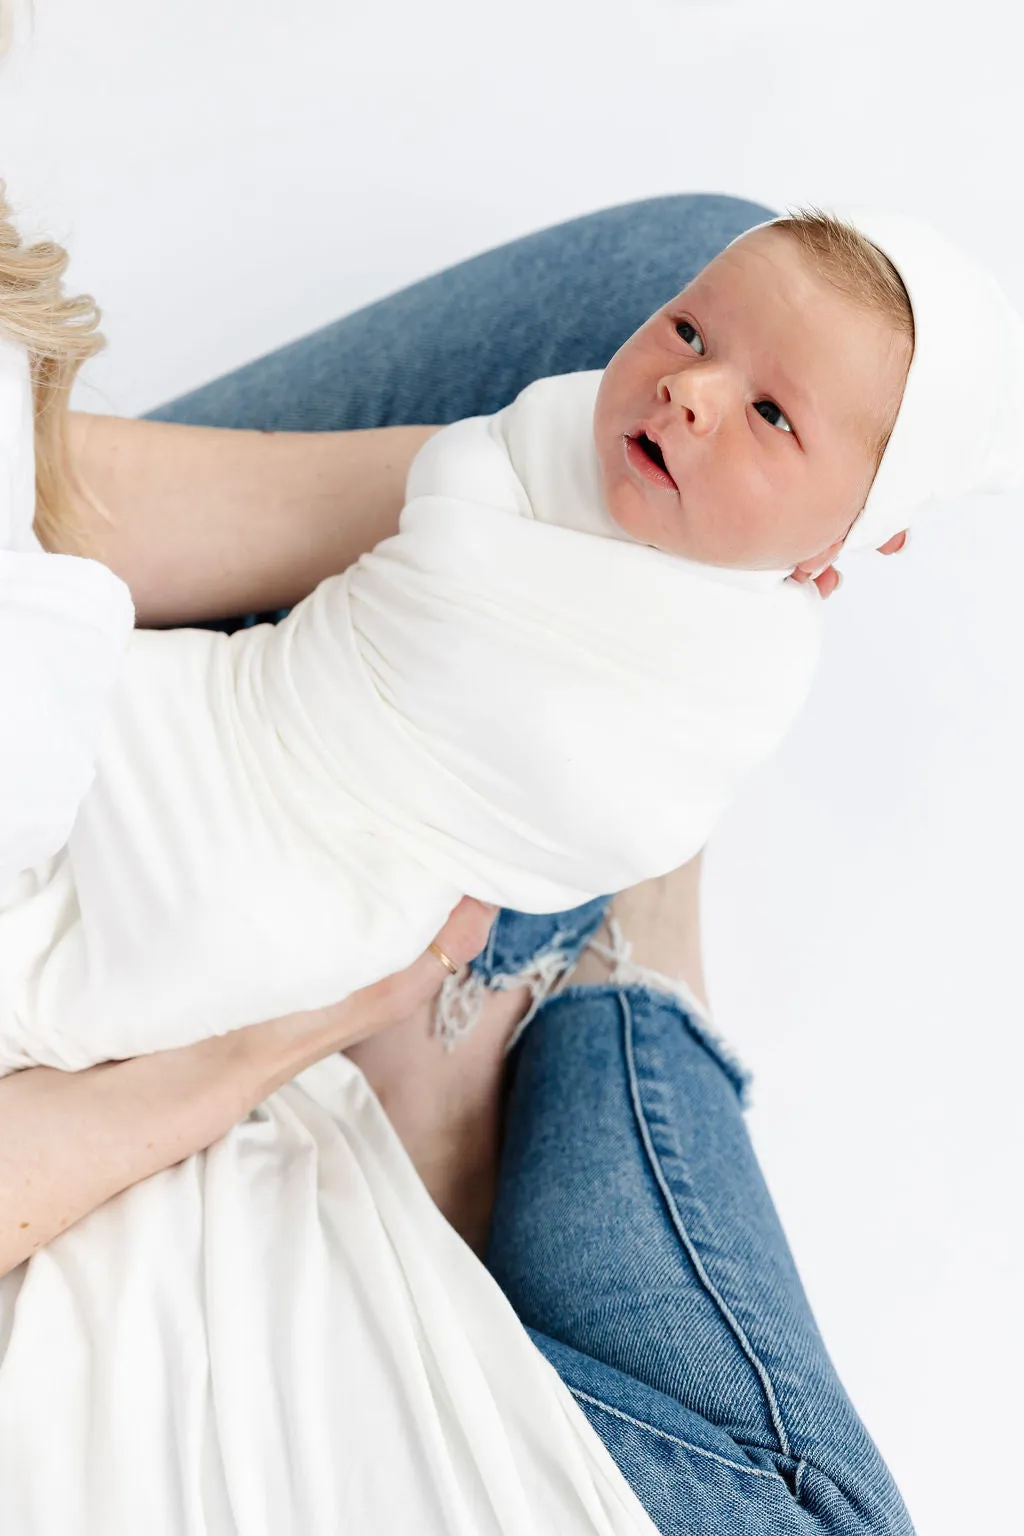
x=64, y=626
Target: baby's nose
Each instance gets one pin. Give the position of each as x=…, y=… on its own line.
x=699, y=396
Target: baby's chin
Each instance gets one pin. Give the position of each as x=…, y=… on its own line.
x=669, y=529
x=647, y=521
x=649, y=518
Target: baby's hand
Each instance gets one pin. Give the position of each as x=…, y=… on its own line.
x=829, y=580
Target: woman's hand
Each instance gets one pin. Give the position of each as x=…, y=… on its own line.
x=70, y=1141
x=829, y=580
x=322, y=1031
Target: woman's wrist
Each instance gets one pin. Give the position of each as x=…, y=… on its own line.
x=263, y=1057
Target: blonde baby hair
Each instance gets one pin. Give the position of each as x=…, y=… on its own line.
x=841, y=255
x=59, y=333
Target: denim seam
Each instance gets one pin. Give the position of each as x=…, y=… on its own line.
x=685, y=1445
x=687, y=1242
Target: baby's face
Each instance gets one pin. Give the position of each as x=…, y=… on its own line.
x=766, y=390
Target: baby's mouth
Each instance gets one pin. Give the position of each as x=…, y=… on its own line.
x=649, y=460
x=652, y=451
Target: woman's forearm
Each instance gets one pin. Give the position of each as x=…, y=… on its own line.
x=206, y=522
x=69, y=1141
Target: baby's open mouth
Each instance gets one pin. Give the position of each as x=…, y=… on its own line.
x=652, y=450
x=647, y=459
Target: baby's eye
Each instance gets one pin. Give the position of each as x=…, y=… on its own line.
x=683, y=326
x=773, y=407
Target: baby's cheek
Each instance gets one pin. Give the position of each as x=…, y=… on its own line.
x=628, y=508
x=740, y=529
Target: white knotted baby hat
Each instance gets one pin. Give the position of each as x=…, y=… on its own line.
x=960, y=427
x=64, y=625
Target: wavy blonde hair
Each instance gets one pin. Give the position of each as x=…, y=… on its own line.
x=59, y=333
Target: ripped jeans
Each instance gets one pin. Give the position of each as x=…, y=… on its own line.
x=633, y=1232
x=635, y=1237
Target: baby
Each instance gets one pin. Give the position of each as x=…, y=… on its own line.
x=548, y=685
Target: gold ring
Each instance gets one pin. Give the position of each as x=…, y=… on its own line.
x=449, y=965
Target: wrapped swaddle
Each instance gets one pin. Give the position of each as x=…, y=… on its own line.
x=490, y=703
x=510, y=699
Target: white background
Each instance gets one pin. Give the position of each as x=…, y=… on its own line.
x=231, y=175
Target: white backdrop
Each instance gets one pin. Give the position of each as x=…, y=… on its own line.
x=231, y=175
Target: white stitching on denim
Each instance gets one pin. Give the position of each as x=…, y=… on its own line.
x=737, y=1466
x=626, y=972
x=686, y=1240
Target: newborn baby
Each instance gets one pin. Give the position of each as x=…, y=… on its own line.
x=548, y=685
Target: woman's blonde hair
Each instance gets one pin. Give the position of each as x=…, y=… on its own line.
x=59, y=334
x=843, y=257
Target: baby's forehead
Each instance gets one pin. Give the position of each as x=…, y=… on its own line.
x=763, y=263
x=763, y=294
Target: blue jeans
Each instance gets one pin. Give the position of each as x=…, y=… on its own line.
x=633, y=1232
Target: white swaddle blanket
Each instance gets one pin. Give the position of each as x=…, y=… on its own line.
x=507, y=699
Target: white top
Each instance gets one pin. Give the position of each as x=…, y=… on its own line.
x=64, y=625
x=283, y=1337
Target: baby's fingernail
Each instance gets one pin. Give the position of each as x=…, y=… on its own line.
x=839, y=580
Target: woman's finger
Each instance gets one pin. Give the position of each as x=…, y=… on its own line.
x=463, y=935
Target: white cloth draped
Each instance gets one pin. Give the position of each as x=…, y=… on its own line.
x=488, y=703
x=283, y=1337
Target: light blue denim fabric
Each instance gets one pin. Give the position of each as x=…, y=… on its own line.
x=635, y=1237
x=633, y=1231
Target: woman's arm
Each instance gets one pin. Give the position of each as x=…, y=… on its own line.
x=69, y=1141
x=206, y=522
